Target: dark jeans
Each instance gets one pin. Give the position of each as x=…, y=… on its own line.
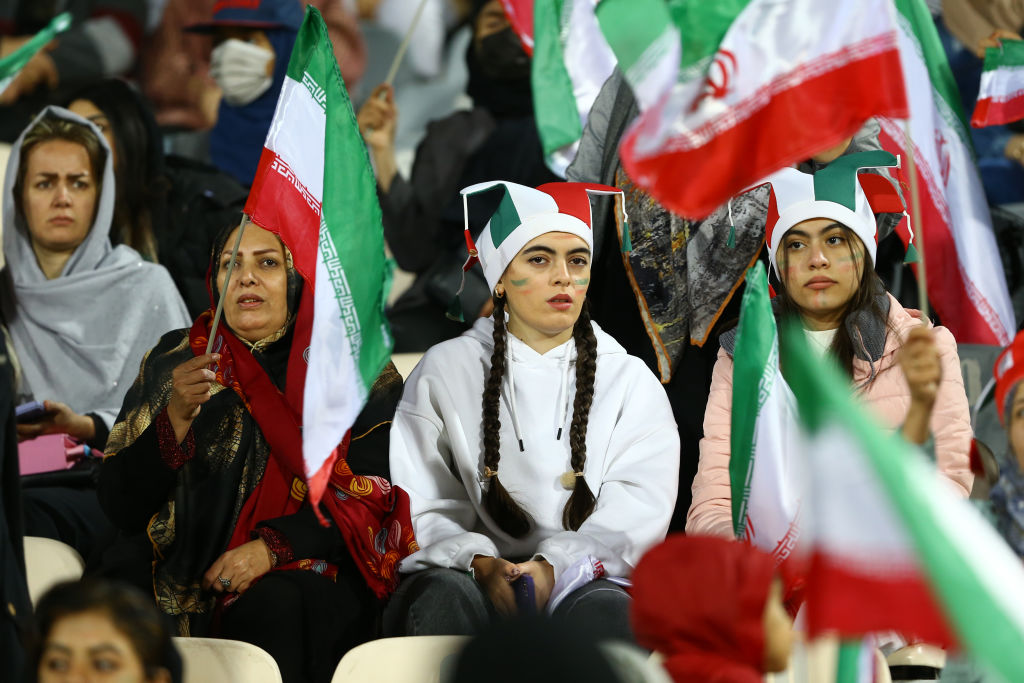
x=451, y=602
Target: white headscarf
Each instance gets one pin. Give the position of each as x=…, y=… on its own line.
x=81, y=337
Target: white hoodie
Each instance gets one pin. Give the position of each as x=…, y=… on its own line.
x=437, y=454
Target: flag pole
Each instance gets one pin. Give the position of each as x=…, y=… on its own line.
x=918, y=224
x=227, y=281
x=397, y=61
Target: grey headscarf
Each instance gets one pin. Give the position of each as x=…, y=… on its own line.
x=80, y=337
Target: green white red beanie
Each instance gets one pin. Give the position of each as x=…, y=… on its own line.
x=837, y=192
x=525, y=213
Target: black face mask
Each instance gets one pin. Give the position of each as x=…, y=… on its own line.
x=502, y=57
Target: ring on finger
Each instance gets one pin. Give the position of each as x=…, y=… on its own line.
x=224, y=582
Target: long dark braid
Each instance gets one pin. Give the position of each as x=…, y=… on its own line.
x=497, y=501
x=581, y=502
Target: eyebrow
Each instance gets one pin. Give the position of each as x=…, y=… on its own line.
x=258, y=252
x=104, y=647
x=802, y=233
x=49, y=174
x=57, y=646
x=549, y=250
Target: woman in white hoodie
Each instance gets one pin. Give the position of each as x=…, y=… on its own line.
x=502, y=482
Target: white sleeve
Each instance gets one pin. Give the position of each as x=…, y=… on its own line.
x=637, y=490
x=422, y=463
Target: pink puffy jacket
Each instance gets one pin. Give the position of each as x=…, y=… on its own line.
x=888, y=398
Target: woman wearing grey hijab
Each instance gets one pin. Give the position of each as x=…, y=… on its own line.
x=81, y=314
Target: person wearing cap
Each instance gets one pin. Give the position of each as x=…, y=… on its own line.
x=566, y=473
x=252, y=40
x=821, y=237
x=1007, y=495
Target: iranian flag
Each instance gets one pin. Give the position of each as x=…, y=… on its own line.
x=763, y=467
x=571, y=61
x=965, y=280
x=760, y=84
x=891, y=546
x=314, y=187
x=12, y=64
x=1001, y=95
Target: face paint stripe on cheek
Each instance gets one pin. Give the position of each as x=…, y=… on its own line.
x=520, y=283
x=582, y=281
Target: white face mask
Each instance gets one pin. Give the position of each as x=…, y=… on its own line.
x=240, y=70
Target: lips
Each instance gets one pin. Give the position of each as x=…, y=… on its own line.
x=819, y=282
x=561, y=302
x=249, y=301
x=62, y=220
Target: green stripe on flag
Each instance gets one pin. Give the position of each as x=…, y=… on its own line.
x=702, y=26
x=755, y=363
x=848, y=661
x=351, y=232
x=631, y=27
x=1010, y=54
x=554, y=103
x=908, y=481
x=916, y=20
x=14, y=62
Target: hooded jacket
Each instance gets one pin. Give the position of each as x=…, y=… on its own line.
x=80, y=337
x=437, y=454
x=700, y=602
x=881, y=385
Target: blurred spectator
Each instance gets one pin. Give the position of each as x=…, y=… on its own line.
x=1007, y=495
x=535, y=649
x=423, y=217
x=167, y=208
x=175, y=62
x=713, y=608
x=97, y=630
x=103, y=41
x=975, y=23
x=13, y=589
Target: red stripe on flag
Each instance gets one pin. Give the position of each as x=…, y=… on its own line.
x=971, y=319
x=279, y=202
x=795, y=123
x=842, y=600
x=989, y=112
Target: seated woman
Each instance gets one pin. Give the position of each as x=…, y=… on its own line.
x=206, y=458
x=96, y=630
x=518, y=487
x=821, y=243
x=81, y=314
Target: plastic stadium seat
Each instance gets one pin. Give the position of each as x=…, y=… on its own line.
x=49, y=562
x=215, y=660
x=424, y=659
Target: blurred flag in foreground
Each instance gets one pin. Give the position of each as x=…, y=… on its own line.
x=761, y=84
x=12, y=64
x=763, y=471
x=1001, y=95
x=890, y=545
x=966, y=283
x=314, y=187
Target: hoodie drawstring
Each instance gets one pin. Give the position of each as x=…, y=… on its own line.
x=563, y=390
x=512, y=395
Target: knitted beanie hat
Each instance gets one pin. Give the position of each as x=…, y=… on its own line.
x=836, y=192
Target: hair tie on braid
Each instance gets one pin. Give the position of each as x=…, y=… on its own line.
x=581, y=502
x=568, y=479
x=488, y=472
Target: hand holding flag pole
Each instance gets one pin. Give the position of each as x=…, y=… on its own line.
x=227, y=280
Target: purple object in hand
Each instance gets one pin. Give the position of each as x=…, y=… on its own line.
x=526, y=599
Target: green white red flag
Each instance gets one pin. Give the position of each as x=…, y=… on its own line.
x=760, y=84
x=314, y=187
x=966, y=284
x=12, y=64
x=763, y=466
x=570, y=63
x=891, y=547
x=1001, y=93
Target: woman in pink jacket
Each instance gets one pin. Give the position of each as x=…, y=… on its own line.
x=821, y=242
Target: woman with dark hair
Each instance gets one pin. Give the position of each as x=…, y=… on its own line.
x=204, y=200
x=90, y=629
x=206, y=459
x=526, y=489
x=135, y=148
x=821, y=243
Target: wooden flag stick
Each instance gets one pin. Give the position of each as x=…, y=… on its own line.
x=397, y=61
x=918, y=224
x=227, y=282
